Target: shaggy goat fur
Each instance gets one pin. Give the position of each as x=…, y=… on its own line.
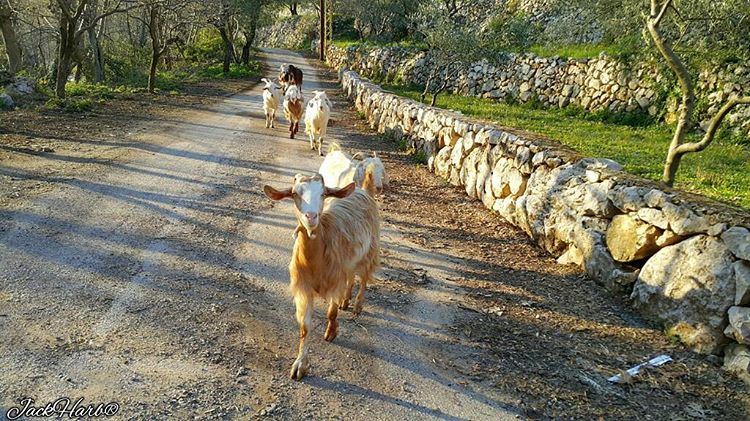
x=339, y=169
x=328, y=254
x=293, y=103
x=271, y=98
x=317, y=114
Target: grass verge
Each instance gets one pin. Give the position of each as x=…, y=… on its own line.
x=721, y=172
x=83, y=96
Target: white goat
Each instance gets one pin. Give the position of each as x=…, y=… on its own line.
x=317, y=114
x=271, y=98
x=338, y=239
x=293, y=103
x=339, y=169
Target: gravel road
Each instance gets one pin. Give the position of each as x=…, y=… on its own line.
x=161, y=284
x=147, y=268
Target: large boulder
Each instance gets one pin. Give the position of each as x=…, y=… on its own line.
x=20, y=86
x=689, y=287
x=629, y=239
x=6, y=101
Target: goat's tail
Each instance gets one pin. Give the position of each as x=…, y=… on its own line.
x=368, y=184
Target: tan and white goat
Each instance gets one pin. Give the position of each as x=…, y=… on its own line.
x=317, y=114
x=339, y=169
x=271, y=99
x=339, y=238
x=293, y=104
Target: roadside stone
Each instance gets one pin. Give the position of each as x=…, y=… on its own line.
x=6, y=101
x=738, y=241
x=443, y=162
x=629, y=240
x=667, y=238
x=683, y=221
x=628, y=199
x=654, y=217
x=739, y=324
x=598, y=263
x=689, y=287
x=737, y=361
x=742, y=283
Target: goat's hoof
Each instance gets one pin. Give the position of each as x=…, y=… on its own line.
x=299, y=369
x=357, y=308
x=344, y=305
x=331, y=332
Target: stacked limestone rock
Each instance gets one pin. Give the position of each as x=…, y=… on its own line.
x=591, y=84
x=686, y=260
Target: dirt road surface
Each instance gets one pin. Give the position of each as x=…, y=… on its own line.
x=156, y=277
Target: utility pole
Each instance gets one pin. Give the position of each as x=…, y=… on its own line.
x=322, y=30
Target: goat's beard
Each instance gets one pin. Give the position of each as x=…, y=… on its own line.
x=300, y=226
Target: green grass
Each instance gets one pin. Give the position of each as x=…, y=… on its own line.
x=722, y=171
x=407, y=43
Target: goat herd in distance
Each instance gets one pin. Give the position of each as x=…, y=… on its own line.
x=337, y=237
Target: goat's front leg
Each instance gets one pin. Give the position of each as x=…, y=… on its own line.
x=333, y=325
x=304, y=306
x=349, y=286
x=291, y=130
x=312, y=140
x=273, y=119
x=320, y=139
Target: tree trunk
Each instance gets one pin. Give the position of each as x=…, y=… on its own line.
x=686, y=89
x=249, y=39
x=152, y=71
x=246, y=53
x=65, y=54
x=154, y=31
x=12, y=46
x=293, y=8
x=97, y=61
x=228, y=49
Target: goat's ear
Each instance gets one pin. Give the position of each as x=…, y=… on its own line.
x=340, y=193
x=274, y=194
x=358, y=155
x=374, y=154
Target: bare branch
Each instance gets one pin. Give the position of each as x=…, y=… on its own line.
x=713, y=126
x=95, y=20
x=657, y=20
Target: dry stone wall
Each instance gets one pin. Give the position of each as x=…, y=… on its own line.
x=592, y=84
x=685, y=260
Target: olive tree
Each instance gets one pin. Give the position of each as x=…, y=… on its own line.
x=73, y=25
x=451, y=46
x=661, y=10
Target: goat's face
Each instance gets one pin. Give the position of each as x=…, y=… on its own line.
x=309, y=194
x=270, y=86
x=320, y=99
